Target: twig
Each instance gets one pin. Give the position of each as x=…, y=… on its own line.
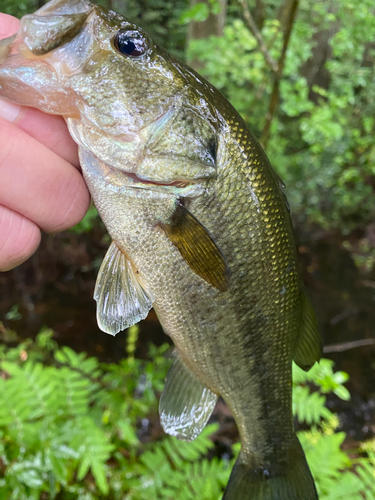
x=368, y=283
x=343, y=315
x=257, y=35
x=348, y=345
x=275, y=95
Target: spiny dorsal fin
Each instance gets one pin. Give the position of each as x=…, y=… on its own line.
x=121, y=299
x=309, y=345
x=185, y=404
x=198, y=248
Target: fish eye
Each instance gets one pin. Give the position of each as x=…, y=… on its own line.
x=130, y=43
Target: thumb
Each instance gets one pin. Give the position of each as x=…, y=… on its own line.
x=9, y=25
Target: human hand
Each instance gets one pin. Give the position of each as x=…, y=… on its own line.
x=40, y=183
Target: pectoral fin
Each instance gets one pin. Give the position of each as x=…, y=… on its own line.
x=198, y=248
x=186, y=404
x=121, y=299
x=309, y=346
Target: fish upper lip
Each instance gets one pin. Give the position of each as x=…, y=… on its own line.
x=19, y=54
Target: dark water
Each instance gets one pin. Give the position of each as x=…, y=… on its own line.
x=344, y=300
x=55, y=288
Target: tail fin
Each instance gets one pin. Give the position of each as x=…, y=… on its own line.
x=270, y=483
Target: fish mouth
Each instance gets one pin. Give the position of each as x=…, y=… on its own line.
x=136, y=181
x=31, y=81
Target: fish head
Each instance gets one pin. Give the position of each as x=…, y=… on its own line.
x=126, y=100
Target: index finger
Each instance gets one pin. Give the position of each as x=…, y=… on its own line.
x=9, y=25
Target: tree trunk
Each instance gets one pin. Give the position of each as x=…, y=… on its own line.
x=213, y=25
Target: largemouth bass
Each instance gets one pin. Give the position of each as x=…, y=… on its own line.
x=200, y=226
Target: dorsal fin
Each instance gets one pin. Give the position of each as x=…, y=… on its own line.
x=185, y=404
x=121, y=299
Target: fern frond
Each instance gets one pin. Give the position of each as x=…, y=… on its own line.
x=323, y=376
x=309, y=406
x=80, y=361
x=324, y=449
x=94, y=449
x=366, y=472
x=74, y=391
x=175, y=469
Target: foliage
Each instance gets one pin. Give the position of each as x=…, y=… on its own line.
x=70, y=426
x=200, y=11
x=322, y=138
x=18, y=8
x=174, y=470
x=73, y=428
x=362, y=252
x=13, y=314
x=337, y=476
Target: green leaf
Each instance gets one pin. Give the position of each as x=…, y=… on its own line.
x=198, y=13
x=99, y=472
x=309, y=407
x=324, y=450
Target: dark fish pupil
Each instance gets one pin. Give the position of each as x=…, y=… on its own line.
x=126, y=46
x=130, y=45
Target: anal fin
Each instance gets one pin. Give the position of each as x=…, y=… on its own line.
x=121, y=299
x=309, y=346
x=185, y=404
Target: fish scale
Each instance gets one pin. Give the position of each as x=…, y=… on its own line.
x=200, y=227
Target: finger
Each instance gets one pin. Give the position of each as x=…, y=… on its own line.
x=19, y=238
x=37, y=183
x=9, y=25
x=50, y=130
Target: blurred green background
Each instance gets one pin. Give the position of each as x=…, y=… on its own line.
x=85, y=427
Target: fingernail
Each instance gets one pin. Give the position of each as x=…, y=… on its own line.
x=9, y=110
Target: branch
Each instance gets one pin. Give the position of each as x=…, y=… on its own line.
x=250, y=23
x=275, y=95
x=348, y=345
x=287, y=33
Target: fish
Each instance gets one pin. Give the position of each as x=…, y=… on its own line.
x=200, y=228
